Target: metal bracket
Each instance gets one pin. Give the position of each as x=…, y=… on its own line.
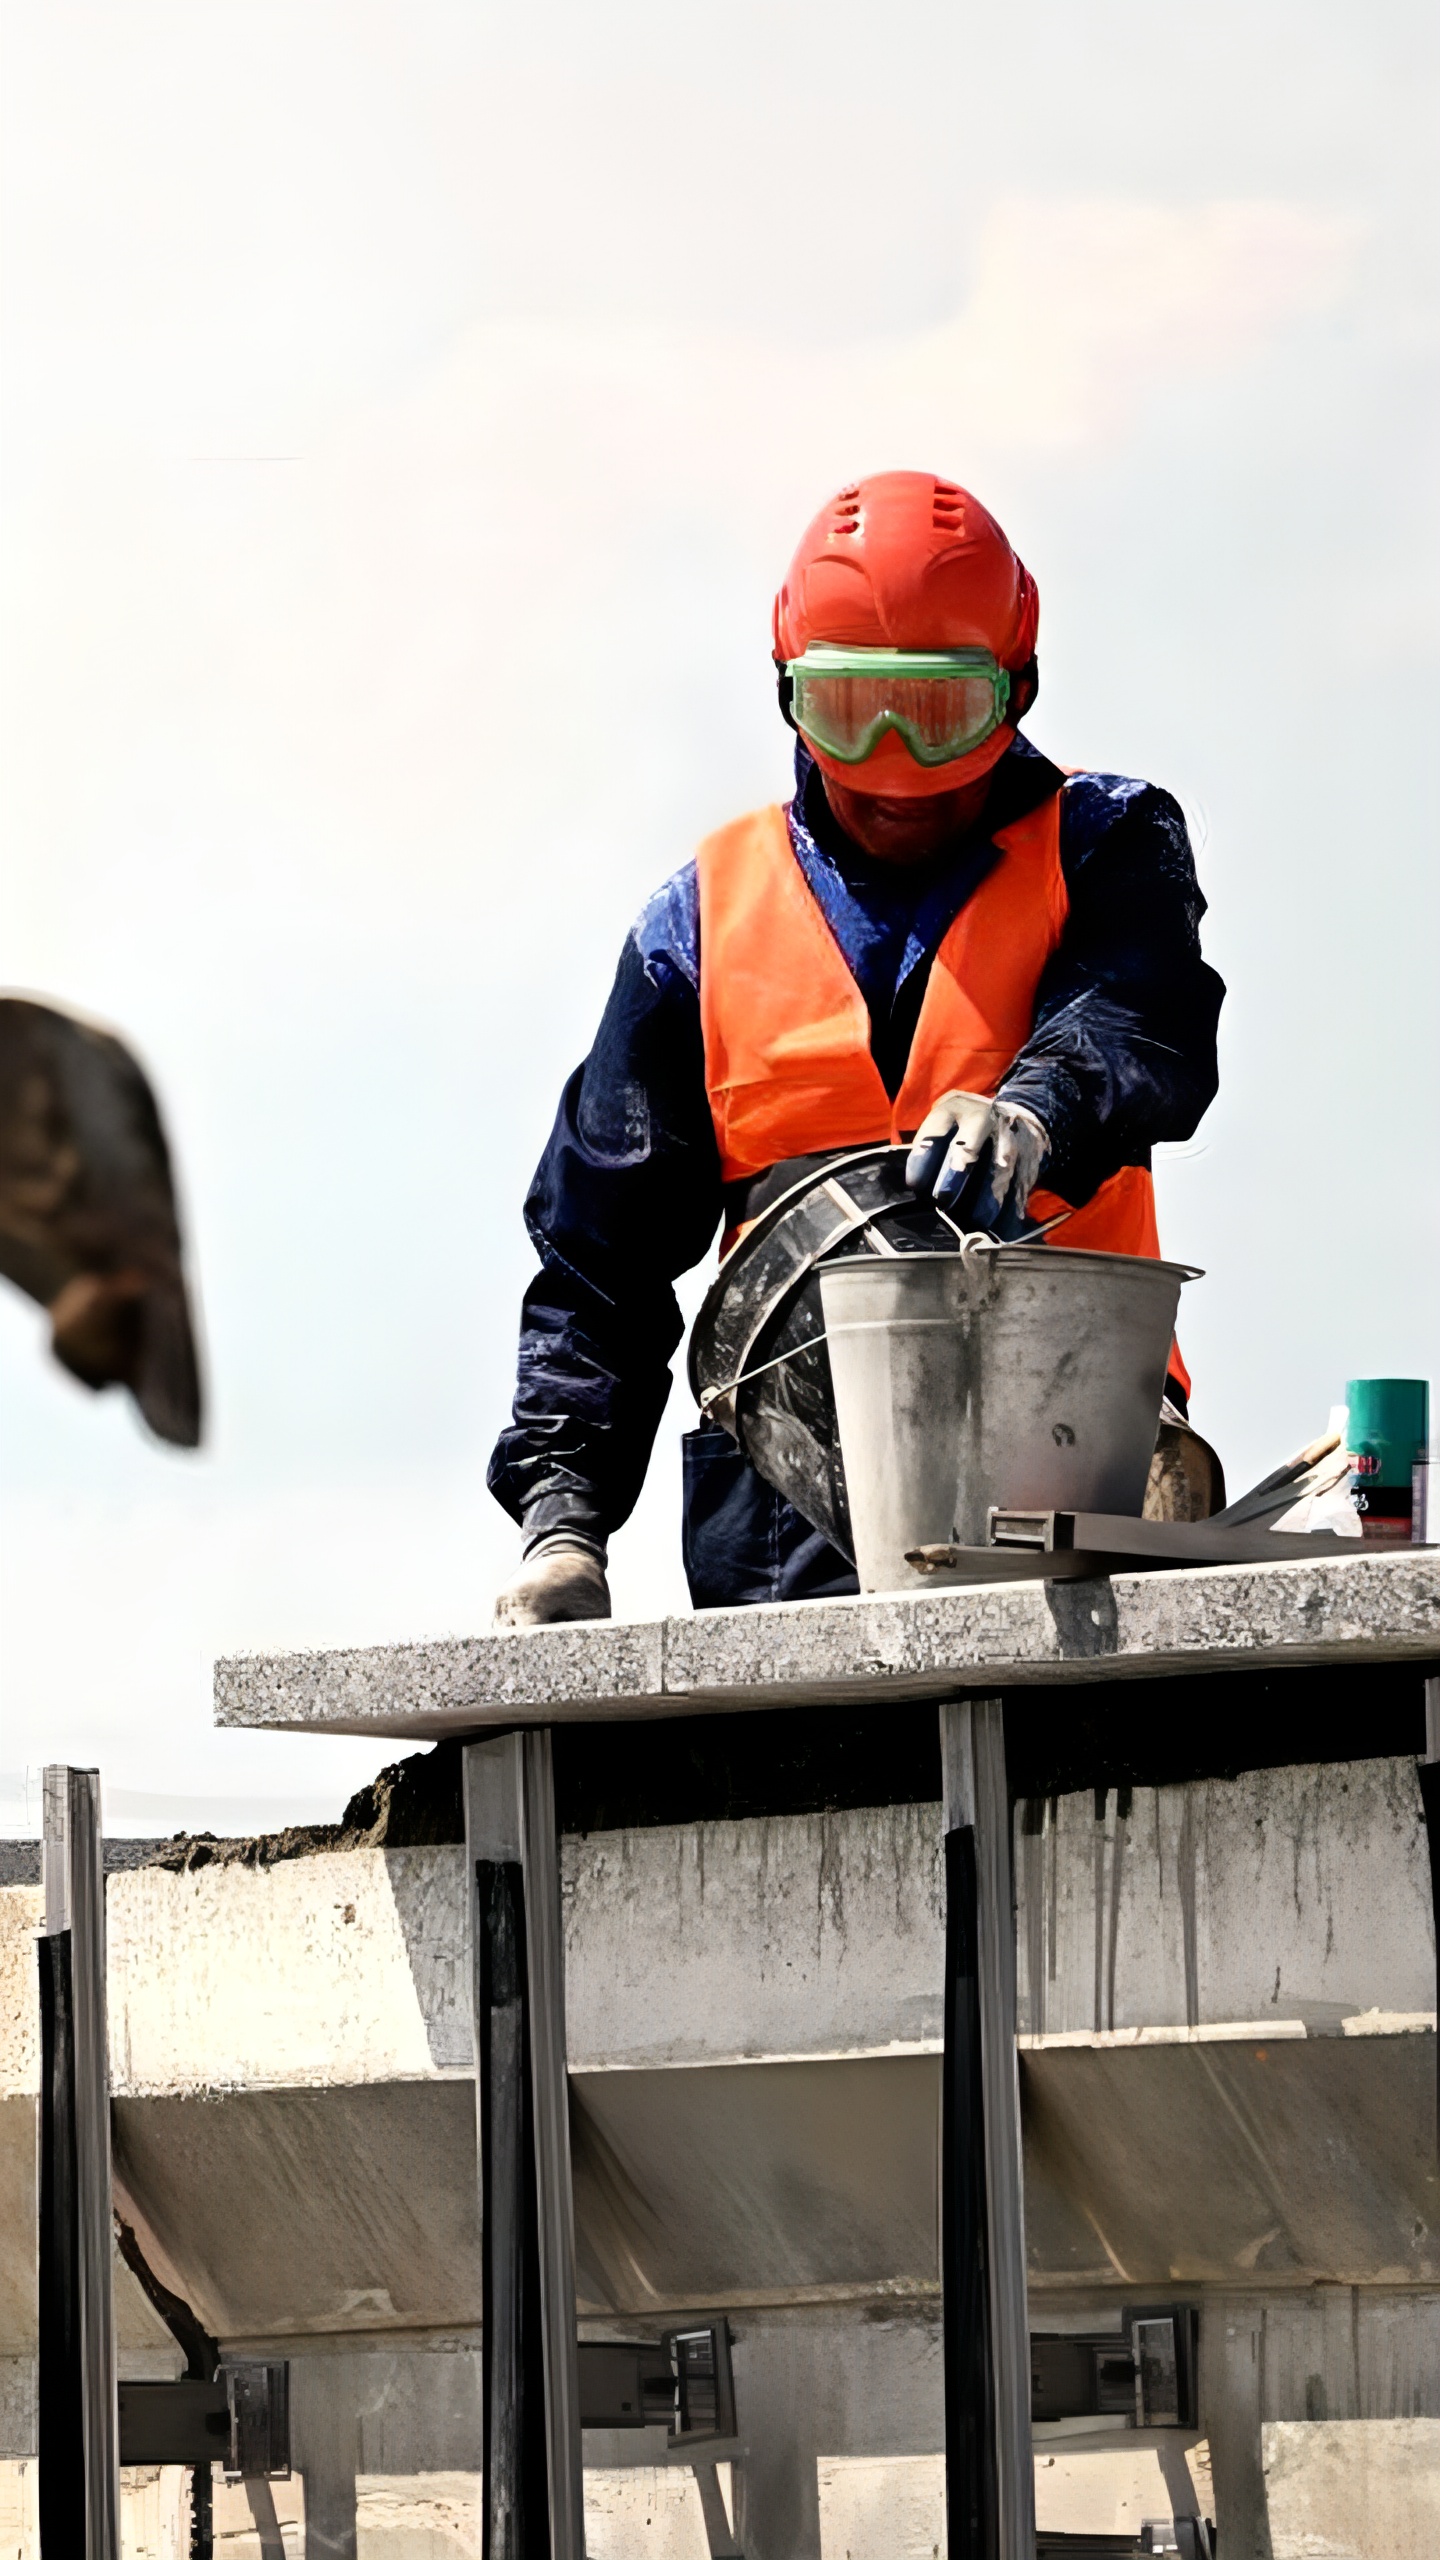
x=681, y=2380
x=241, y=2419
x=1190, y=2537
x=1146, y=2376
x=259, y=2411
x=185, y=2421
x=1165, y=2347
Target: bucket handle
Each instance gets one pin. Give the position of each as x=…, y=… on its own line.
x=712, y=1395
x=859, y=1225
x=979, y=1239
x=976, y=1241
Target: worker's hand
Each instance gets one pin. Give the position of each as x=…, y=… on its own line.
x=954, y=1135
x=557, y=1584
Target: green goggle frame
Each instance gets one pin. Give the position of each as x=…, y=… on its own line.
x=942, y=702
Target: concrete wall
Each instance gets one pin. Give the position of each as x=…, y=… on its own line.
x=1293, y=1898
x=1228, y=2068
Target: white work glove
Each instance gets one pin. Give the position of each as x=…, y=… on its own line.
x=558, y=1583
x=953, y=1136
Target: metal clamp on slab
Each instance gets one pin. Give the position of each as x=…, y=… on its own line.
x=1046, y=1530
x=1075, y=1544
x=1139, y=1542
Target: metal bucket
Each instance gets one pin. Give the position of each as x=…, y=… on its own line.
x=1022, y=1375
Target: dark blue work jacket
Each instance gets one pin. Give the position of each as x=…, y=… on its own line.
x=628, y=1192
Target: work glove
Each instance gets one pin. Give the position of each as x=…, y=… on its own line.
x=959, y=1131
x=559, y=1582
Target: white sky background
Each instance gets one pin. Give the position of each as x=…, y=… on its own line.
x=408, y=413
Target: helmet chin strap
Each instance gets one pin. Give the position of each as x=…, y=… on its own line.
x=1024, y=686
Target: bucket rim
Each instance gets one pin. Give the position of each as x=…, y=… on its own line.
x=760, y=1227
x=1020, y=1251
x=776, y=1209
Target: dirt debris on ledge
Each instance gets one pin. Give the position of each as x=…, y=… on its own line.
x=776, y=1761
x=413, y=1804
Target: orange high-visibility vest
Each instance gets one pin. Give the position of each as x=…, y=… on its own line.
x=788, y=1067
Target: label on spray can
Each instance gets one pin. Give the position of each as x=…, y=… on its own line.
x=1389, y=1447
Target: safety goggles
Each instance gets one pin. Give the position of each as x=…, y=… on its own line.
x=943, y=702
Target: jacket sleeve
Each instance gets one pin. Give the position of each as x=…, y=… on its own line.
x=626, y=1196
x=1123, y=1049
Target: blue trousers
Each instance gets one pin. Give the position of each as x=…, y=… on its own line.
x=743, y=1543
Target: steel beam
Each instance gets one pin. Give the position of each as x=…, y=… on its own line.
x=79, y=2422
x=532, y=2459
x=989, y=2475
x=1429, y=1775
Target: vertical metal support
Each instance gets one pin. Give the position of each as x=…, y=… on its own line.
x=720, y=2542
x=990, y=2481
x=202, y=2517
x=1429, y=1776
x=540, y=1850
x=79, y=2418
x=1232, y=2371
x=534, y=2506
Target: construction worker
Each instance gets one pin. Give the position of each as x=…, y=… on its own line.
x=942, y=939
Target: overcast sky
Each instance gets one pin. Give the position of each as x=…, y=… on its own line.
x=408, y=413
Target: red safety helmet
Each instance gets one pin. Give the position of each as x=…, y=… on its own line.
x=905, y=561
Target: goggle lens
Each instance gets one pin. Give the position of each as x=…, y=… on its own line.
x=846, y=712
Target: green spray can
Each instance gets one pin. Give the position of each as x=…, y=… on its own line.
x=1388, y=1435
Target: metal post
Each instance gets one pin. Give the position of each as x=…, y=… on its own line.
x=720, y=2542
x=79, y=2421
x=534, y=2506
x=989, y=2475
x=1429, y=1776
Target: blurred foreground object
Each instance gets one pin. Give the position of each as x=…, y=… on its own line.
x=87, y=1212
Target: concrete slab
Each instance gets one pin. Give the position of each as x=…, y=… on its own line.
x=1365, y=1608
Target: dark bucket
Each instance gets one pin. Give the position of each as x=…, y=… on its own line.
x=758, y=1360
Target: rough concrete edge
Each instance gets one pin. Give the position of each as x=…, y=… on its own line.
x=1138, y=1624
x=917, y=1644
x=444, y=1679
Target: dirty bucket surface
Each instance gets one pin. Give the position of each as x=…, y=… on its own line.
x=1028, y=1376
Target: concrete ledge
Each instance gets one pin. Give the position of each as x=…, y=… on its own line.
x=1373, y=1608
